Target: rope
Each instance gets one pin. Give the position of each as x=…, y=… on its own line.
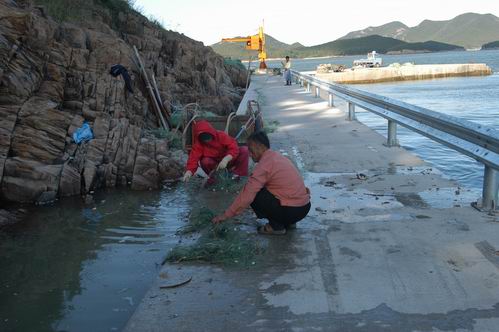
x=229, y=119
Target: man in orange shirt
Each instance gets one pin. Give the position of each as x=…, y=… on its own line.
x=275, y=190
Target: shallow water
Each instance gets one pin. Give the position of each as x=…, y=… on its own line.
x=72, y=267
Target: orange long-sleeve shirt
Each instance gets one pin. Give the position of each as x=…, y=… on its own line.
x=278, y=174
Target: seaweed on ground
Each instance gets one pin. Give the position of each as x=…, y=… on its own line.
x=222, y=244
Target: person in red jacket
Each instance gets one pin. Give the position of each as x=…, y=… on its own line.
x=214, y=149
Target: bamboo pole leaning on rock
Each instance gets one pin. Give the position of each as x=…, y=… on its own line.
x=152, y=96
x=160, y=102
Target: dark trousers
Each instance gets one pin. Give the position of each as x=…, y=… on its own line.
x=269, y=207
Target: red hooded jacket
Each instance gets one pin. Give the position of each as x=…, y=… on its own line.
x=220, y=146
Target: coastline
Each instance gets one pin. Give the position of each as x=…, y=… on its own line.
x=381, y=54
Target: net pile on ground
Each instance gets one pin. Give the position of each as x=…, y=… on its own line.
x=222, y=244
x=225, y=181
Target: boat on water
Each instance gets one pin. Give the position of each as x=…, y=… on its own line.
x=371, y=61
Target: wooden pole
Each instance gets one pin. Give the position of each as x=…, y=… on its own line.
x=158, y=97
x=156, y=107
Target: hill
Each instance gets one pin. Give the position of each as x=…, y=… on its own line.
x=469, y=30
x=491, y=46
x=274, y=48
x=380, y=44
x=393, y=30
x=338, y=47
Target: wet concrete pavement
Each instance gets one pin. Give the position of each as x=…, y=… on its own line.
x=390, y=244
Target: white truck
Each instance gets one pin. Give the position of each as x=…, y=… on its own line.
x=370, y=62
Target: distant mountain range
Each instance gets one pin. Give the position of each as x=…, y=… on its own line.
x=277, y=49
x=468, y=31
x=273, y=47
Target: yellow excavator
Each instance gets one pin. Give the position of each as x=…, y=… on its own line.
x=255, y=43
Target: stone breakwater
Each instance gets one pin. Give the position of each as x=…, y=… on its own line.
x=54, y=77
x=405, y=73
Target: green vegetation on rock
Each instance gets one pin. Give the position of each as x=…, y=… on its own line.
x=235, y=63
x=82, y=10
x=173, y=137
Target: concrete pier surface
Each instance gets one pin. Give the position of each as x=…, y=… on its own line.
x=389, y=245
x=405, y=73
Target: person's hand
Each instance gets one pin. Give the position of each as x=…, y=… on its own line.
x=187, y=176
x=224, y=162
x=218, y=219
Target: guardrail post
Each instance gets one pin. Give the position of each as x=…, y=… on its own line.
x=330, y=101
x=308, y=86
x=301, y=82
x=489, y=194
x=351, y=112
x=317, y=92
x=392, y=134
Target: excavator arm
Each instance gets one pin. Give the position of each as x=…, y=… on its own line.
x=237, y=40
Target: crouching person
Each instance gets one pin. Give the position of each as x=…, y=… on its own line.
x=215, y=150
x=275, y=190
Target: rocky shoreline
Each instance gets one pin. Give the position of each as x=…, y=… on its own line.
x=55, y=76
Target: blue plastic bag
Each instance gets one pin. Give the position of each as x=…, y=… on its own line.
x=83, y=134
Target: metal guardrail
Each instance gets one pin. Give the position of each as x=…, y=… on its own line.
x=474, y=140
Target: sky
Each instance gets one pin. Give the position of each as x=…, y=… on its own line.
x=308, y=22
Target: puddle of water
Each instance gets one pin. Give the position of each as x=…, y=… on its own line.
x=298, y=159
x=85, y=268
x=332, y=200
x=413, y=170
x=449, y=197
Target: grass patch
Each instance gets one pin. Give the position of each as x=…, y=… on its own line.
x=174, y=138
x=234, y=63
x=271, y=126
x=82, y=10
x=222, y=244
x=63, y=11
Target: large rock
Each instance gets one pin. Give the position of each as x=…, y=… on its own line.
x=26, y=180
x=40, y=131
x=145, y=172
x=168, y=167
x=54, y=77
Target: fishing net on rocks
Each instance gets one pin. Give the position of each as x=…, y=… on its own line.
x=224, y=244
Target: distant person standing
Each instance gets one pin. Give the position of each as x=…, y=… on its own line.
x=287, y=70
